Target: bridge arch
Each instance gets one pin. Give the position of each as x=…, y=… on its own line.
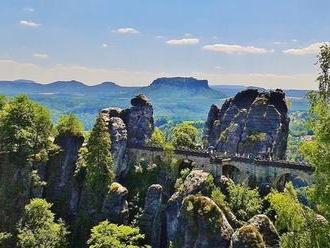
x=232, y=172
x=297, y=180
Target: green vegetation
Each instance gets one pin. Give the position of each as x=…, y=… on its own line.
x=158, y=138
x=25, y=128
x=256, y=137
x=99, y=162
x=37, y=227
x=69, y=125
x=4, y=236
x=244, y=202
x=107, y=235
x=184, y=135
x=317, y=151
x=298, y=225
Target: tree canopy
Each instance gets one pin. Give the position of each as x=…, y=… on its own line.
x=25, y=127
x=184, y=135
x=69, y=125
x=107, y=235
x=38, y=228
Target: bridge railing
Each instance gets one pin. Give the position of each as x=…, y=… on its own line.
x=220, y=158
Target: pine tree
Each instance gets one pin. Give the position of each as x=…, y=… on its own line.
x=99, y=163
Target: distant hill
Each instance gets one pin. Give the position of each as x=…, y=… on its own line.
x=176, y=98
x=59, y=87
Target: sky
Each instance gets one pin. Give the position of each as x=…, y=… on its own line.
x=264, y=43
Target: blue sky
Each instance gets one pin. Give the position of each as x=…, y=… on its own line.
x=131, y=42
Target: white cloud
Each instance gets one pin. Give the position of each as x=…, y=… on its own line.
x=235, y=49
x=127, y=31
x=105, y=45
x=159, y=37
x=28, y=9
x=11, y=70
x=188, y=34
x=41, y=55
x=311, y=49
x=29, y=24
x=279, y=42
x=183, y=42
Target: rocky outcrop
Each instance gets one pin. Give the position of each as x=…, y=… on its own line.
x=202, y=224
x=247, y=237
x=140, y=122
x=150, y=222
x=250, y=123
x=197, y=181
x=60, y=180
x=115, y=206
x=267, y=230
x=132, y=126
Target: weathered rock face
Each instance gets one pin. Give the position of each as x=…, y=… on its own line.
x=202, y=224
x=132, y=126
x=267, y=230
x=19, y=182
x=247, y=237
x=250, y=123
x=60, y=180
x=150, y=222
x=115, y=206
x=140, y=122
x=195, y=182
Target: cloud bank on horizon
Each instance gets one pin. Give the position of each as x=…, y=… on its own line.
x=132, y=43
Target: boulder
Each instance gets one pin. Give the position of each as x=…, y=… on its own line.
x=252, y=122
x=150, y=222
x=115, y=206
x=202, y=224
x=140, y=101
x=197, y=181
x=267, y=230
x=247, y=237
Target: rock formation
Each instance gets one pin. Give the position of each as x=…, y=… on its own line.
x=195, y=182
x=250, y=123
x=247, y=237
x=115, y=206
x=60, y=181
x=132, y=126
x=202, y=224
x=267, y=230
x=150, y=222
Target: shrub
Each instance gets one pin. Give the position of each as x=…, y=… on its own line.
x=107, y=235
x=158, y=138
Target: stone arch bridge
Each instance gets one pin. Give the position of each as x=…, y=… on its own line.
x=253, y=172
